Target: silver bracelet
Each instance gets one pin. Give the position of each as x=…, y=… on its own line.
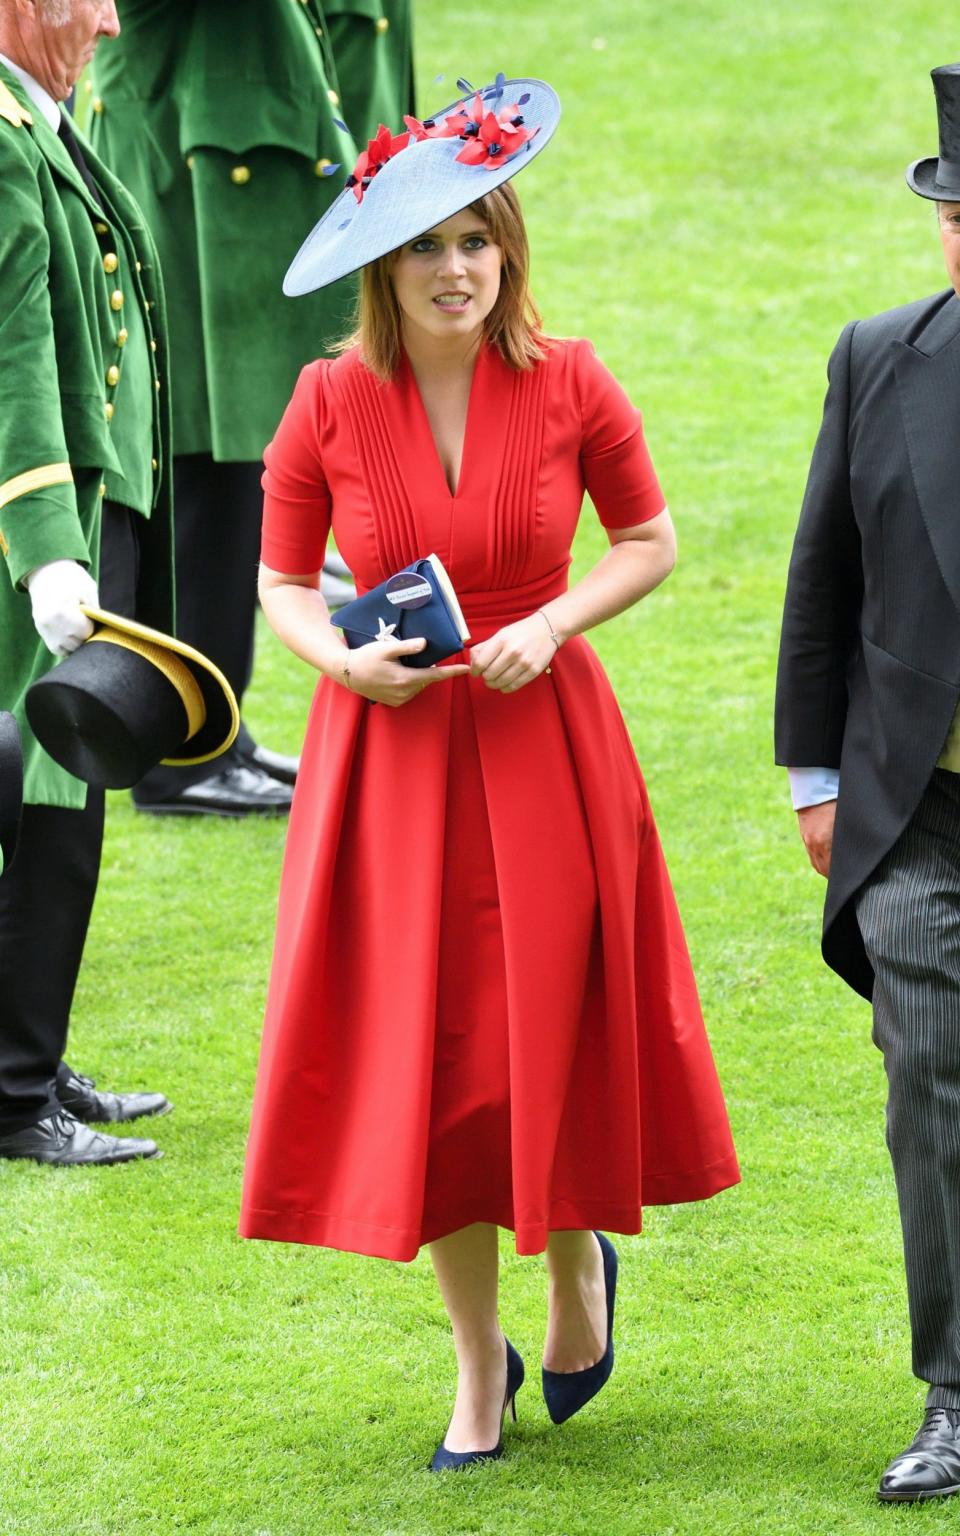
x=553, y=634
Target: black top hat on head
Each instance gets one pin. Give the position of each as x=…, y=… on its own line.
x=938, y=177
x=11, y=788
x=128, y=698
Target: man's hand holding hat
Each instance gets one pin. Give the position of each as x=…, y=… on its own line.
x=56, y=591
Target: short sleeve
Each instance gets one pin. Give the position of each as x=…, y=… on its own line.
x=617, y=469
x=296, y=504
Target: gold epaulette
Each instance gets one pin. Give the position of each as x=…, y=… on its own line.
x=10, y=108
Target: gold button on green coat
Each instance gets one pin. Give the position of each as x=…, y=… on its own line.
x=240, y=175
x=110, y=262
x=116, y=299
x=113, y=375
x=122, y=335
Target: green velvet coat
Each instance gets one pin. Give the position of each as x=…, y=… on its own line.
x=373, y=45
x=221, y=117
x=80, y=294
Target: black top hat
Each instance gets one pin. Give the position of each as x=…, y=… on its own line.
x=111, y=711
x=11, y=788
x=938, y=177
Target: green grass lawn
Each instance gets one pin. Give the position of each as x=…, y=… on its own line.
x=726, y=189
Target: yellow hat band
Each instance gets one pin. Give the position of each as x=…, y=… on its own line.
x=175, y=670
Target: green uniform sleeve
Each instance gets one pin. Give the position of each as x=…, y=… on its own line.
x=38, y=507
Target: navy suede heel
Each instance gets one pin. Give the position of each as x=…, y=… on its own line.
x=452, y=1461
x=565, y=1392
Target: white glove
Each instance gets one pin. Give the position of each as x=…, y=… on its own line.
x=56, y=591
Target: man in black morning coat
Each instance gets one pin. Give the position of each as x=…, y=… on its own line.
x=867, y=722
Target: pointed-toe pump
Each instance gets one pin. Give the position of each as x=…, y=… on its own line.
x=452, y=1461
x=565, y=1392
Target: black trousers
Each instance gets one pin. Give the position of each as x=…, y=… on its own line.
x=217, y=514
x=47, y=895
x=909, y=915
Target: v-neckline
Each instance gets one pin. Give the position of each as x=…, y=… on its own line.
x=427, y=429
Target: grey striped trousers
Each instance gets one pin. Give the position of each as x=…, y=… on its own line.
x=909, y=915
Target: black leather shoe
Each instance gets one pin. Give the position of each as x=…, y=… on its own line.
x=277, y=764
x=80, y=1099
x=929, y=1468
x=234, y=791
x=67, y=1143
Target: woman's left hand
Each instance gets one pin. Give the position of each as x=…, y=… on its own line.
x=515, y=655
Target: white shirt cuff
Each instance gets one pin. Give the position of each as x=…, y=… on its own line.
x=813, y=786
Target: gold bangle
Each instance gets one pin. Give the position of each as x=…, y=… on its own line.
x=553, y=634
x=346, y=674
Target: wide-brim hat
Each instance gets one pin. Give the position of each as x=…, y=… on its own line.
x=11, y=788
x=938, y=176
x=129, y=698
x=414, y=182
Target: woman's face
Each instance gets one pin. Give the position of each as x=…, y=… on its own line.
x=447, y=281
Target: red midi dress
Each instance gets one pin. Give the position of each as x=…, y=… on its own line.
x=481, y=1005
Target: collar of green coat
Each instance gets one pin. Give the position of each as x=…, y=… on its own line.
x=20, y=110
x=49, y=143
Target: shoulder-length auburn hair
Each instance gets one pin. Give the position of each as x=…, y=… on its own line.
x=513, y=326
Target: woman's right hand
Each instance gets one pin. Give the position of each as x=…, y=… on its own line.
x=376, y=673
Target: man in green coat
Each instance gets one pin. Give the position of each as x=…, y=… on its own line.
x=223, y=118
x=85, y=515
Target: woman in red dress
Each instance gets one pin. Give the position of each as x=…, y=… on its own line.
x=482, y=1012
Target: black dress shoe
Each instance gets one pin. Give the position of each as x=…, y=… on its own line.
x=235, y=791
x=929, y=1468
x=79, y=1098
x=68, y=1143
x=277, y=764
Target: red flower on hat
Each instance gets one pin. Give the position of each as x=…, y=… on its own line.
x=490, y=138
x=493, y=136
x=378, y=151
x=450, y=128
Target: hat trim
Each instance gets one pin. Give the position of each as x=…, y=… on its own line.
x=176, y=672
x=194, y=657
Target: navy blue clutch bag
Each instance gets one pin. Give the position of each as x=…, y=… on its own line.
x=417, y=601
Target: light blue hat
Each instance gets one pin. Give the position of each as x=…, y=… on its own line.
x=407, y=183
